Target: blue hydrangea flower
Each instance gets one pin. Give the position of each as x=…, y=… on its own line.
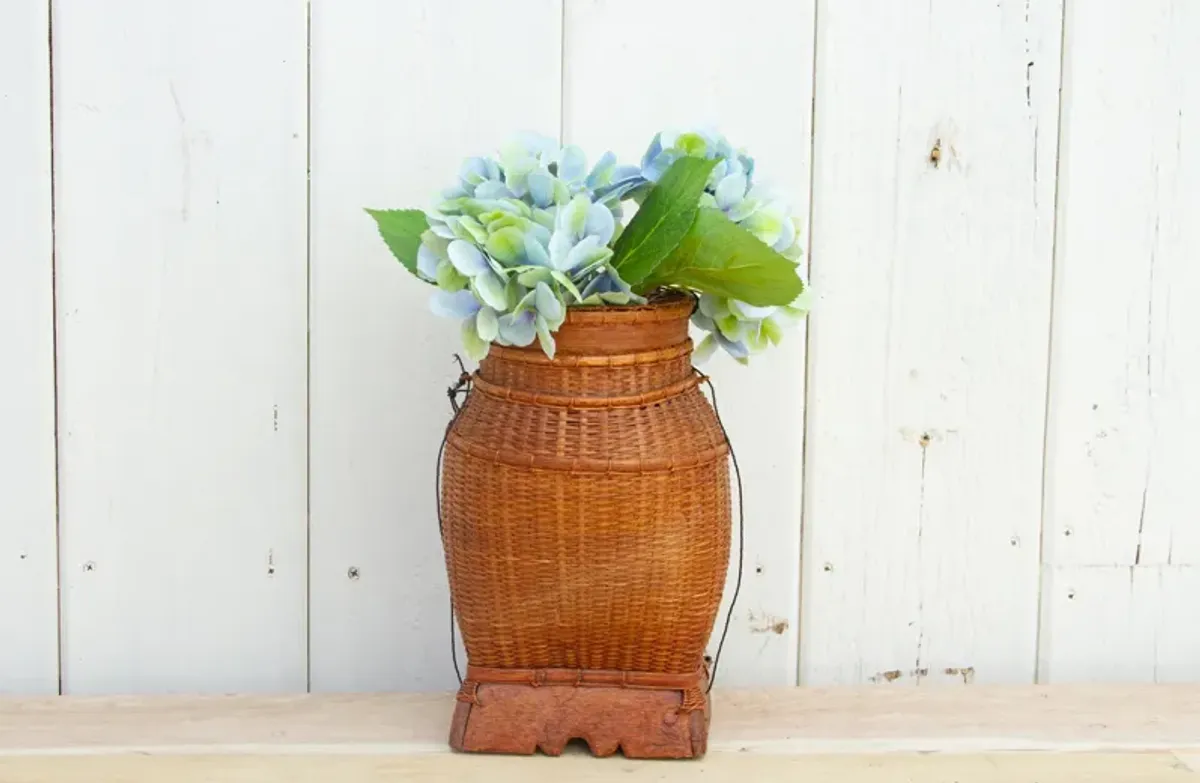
x=516, y=238
x=519, y=238
x=741, y=329
x=730, y=186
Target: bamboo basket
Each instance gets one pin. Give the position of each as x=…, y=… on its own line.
x=586, y=520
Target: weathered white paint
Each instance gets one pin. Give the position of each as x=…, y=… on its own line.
x=180, y=146
x=1122, y=533
x=28, y=570
x=180, y=140
x=401, y=93
x=933, y=196
x=621, y=85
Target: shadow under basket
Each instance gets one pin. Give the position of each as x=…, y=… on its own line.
x=585, y=507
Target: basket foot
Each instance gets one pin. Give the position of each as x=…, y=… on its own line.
x=521, y=719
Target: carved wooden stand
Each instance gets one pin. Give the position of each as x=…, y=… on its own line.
x=646, y=716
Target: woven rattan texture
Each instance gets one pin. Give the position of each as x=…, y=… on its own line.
x=589, y=536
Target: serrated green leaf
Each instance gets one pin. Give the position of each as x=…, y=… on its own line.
x=401, y=231
x=717, y=256
x=662, y=221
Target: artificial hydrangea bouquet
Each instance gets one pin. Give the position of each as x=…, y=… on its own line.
x=522, y=237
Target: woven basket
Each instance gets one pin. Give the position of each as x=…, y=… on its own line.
x=586, y=507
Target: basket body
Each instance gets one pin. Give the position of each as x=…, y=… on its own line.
x=586, y=507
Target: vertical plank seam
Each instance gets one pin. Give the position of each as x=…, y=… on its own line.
x=562, y=72
x=308, y=347
x=805, y=506
x=58, y=564
x=1038, y=673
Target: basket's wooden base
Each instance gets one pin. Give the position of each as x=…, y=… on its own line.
x=521, y=718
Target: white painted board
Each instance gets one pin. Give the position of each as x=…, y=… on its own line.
x=634, y=68
x=401, y=94
x=180, y=145
x=28, y=559
x=927, y=364
x=1122, y=520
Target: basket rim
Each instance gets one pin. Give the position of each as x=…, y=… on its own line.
x=667, y=304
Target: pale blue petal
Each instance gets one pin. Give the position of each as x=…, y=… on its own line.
x=560, y=245
x=601, y=283
x=719, y=172
x=518, y=328
x=460, y=304
x=535, y=252
x=626, y=172
x=603, y=171
x=544, y=336
x=441, y=229
x=659, y=166
x=744, y=209
x=579, y=253
x=786, y=237
x=750, y=312
x=533, y=275
x=616, y=192
x=653, y=150
x=535, y=144
x=538, y=232
x=541, y=188
x=490, y=288
x=467, y=259
x=487, y=326
x=525, y=303
x=427, y=262
x=573, y=216
x=476, y=347
x=704, y=350
x=572, y=163
x=713, y=306
x=473, y=171
x=492, y=189
x=549, y=306
x=731, y=190
x=600, y=223
x=458, y=191
x=702, y=321
x=615, y=297
x=735, y=348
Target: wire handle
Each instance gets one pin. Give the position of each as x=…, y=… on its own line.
x=461, y=387
x=737, y=585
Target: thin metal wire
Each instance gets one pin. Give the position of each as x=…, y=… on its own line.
x=737, y=585
x=463, y=387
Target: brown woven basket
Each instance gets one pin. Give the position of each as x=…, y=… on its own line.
x=586, y=506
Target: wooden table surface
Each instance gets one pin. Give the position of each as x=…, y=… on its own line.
x=972, y=733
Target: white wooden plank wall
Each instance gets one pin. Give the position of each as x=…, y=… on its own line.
x=1002, y=365
x=393, y=116
x=28, y=562
x=180, y=142
x=933, y=196
x=1122, y=535
x=757, y=89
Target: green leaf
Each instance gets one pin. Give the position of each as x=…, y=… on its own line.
x=662, y=221
x=720, y=257
x=401, y=231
